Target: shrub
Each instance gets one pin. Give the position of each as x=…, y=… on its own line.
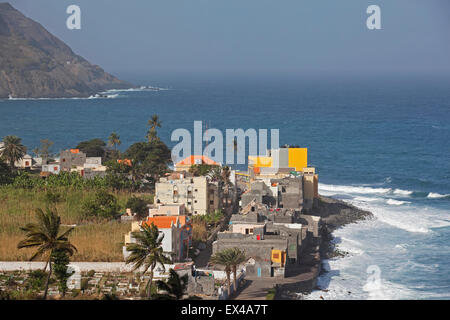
x=53, y=197
x=36, y=280
x=104, y=205
x=137, y=205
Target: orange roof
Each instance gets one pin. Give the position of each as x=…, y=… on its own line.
x=193, y=159
x=75, y=150
x=165, y=222
x=125, y=161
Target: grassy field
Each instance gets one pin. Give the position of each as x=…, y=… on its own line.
x=95, y=241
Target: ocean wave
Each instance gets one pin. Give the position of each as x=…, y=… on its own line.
x=366, y=199
x=391, y=211
x=403, y=192
x=352, y=189
x=396, y=202
x=433, y=195
x=140, y=89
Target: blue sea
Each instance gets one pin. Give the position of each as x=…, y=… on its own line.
x=382, y=144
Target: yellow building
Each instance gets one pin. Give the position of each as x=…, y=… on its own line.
x=278, y=162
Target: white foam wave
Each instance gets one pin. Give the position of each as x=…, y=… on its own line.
x=433, y=195
x=396, y=202
x=402, y=192
x=140, y=89
x=352, y=189
x=366, y=199
x=393, y=212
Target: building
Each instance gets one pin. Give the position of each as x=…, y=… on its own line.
x=93, y=162
x=177, y=231
x=52, y=168
x=176, y=209
x=276, y=193
x=278, y=163
x=198, y=195
x=272, y=239
x=72, y=158
x=25, y=163
x=185, y=164
x=311, y=188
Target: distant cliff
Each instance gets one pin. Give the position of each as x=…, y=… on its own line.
x=35, y=64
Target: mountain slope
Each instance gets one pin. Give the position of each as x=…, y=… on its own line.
x=35, y=64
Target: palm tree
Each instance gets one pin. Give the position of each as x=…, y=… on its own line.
x=46, y=237
x=13, y=150
x=114, y=140
x=230, y=258
x=175, y=286
x=215, y=173
x=238, y=257
x=147, y=251
x=153, y=123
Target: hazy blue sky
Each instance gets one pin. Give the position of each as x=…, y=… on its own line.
x=253, y=36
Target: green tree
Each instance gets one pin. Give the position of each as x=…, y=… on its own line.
x=114, y=140
x=46, y=237
x=13, y=150
x=138, y=206
x=150, y=159
x=175, y=286
x=199, y=170
x=93, y=148
x=147, y=251
x=61, y=262
x=103, y=205
x=229, y=258
x=154, y=123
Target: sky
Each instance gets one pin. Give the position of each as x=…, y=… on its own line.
x=136, y=37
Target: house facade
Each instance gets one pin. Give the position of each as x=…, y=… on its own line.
x=198, y=195
x=176, y=231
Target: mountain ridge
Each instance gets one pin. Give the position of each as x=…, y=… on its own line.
x=36, y=64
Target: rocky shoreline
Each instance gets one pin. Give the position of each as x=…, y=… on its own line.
x=335, y=214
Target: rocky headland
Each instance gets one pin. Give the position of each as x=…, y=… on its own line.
x=36, y=64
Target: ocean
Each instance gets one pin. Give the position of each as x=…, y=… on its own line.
x=380, y=144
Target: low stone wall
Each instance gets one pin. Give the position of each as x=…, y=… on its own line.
x=80, y=266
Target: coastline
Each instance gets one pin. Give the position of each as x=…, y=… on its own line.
x=335, y=214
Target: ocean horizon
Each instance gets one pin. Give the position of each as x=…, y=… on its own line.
x=380, y=144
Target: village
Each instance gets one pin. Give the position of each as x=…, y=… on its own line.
x=203, y=210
